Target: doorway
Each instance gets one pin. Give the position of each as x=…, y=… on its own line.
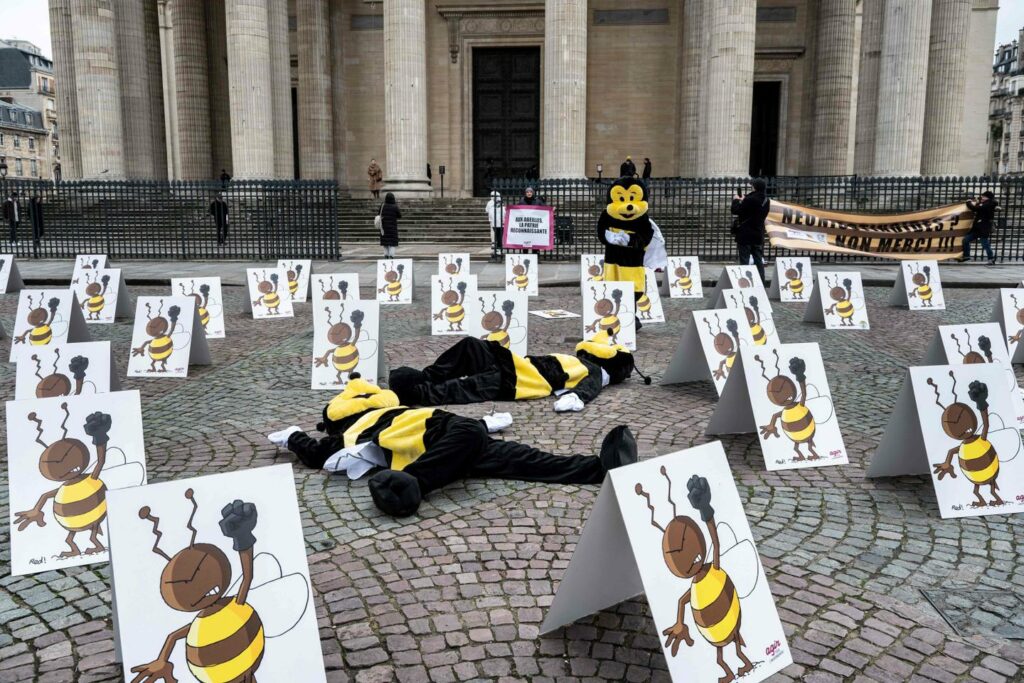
x=506, y=114
x=764, y=128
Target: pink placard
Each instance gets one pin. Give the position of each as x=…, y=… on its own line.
x=533, y=227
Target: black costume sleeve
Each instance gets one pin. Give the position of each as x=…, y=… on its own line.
x=590, y=386
x=602, y=225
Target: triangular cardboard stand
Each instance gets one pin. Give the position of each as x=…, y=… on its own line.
x=733, y=414
x=1016, y=349
x=688, y=363
x=723, y=282
x=78, y=331
x=901, y=450
x=14, y=282
x=812, y=311
x=602, y=571
x=773, y=289
x=124, y=308
x=898, y=293
x=198, y=350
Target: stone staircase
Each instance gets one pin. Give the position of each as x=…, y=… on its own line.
x=455, y=221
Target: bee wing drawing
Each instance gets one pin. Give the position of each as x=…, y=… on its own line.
x=367, y=348
x=181, y=339
x=516, y=332
x=59, y=326
x=821, y=406
x=739, y=560
x=1005, y=440
x=280, y=599
x=120, y=473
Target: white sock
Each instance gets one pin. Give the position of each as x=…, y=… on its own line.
x=280, y=439
x=497, y=421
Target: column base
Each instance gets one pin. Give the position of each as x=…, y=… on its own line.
x=408, y=187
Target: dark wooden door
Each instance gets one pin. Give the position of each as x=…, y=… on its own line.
x=506, y=114
x=764, y=128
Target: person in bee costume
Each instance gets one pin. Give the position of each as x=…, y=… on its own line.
x=473, y=370
x=419, y=450
x=624, y=229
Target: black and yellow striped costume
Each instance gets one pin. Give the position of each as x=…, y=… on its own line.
x=626, y=263
x=427, y=448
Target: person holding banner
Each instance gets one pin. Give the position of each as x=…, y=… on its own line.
x=748, y=226
x=984, y=208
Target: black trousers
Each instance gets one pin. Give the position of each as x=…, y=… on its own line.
x=222, y=231
x=467, y=450
x=13, y=230
x=746, y=252
x=466, y=372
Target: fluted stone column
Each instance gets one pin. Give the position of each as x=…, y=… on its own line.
x=97, y=80
x=405, y=97
x=694, y=51
x=136, y=117
x=218, y=85
x=281, y=89
x=947, y=84
x=155, y=88
x=867, y=86
x=564, y=145
x=316, y=132
x=252, y=118
x=337, y=32
x=902, y=86
x=67, y=99
x=833, y=86
x=190, y=78
x=729, y=87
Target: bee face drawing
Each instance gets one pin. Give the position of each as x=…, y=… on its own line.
x=62, y=460
x=195, y=578
x=596, y=269
x=452, y=266
x=791, y=274
x=682, y=271
x=343, y=354
x=683, y=546
x=338, y=333
x=58, y=384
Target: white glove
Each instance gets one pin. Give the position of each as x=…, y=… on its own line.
x=497, y=421
x=618, y=238
x=280, y=439
x=569, y=403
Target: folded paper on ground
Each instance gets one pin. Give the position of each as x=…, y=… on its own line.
x=167, y=337
x=449, y=297
x=297, y=273
x=453, y=264
x=758, y=311
x=682, y=279
x=335, y=287
x=10, y=276
x=522, y=273
x=500, y=316
x=269, y=297
x=102, y=295
x=85, y=262
x=609, y=313
x=918, y=287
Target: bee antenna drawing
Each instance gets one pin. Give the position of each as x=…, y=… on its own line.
x=329, y=315
x=64, y=422
x=764, y=370
x=735, y=301
x=952, y=335
x=778, y=370
x=1012, y=296
x=39, y=365
x=182, y=285
x=968, y=333
x=149, y=311
x=640, y=492
x=938, y=397
x=190, y=495
x=256, y=276
x=324, y=291
x=30, y=305
x=160, y=309
x=953, y=377
x=711, y=332
x=145, y=513
x=664, y=473
x=39, y=428
x=483, y=306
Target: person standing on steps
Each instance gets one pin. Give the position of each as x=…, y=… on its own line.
x=627, y=169
x=495, y=217
x=984, y=208
x=219, y=211
x=646, y=174
x=748, y=226
x=389, y=215
x=12, y=213
x=376, y=176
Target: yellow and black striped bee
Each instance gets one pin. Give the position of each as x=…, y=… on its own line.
x=643, y=304
x=202, y=301
x=269, y=296
x=497, y=323
x=453, y=311
x=80, y=502
x=683, y=280
x=95, y=293
x=521, y=274
x=714, y=600
x=343, y=352
x=726, y=345
x=227, y=639
x=41, y=331
x=794, y=280
x=393, y=278
x=842, y=296
x=161, y=346
x=595, y=271
x=977, y=454
x=922, y=281
x=609, y=314
x=759, y=329
x=797, y=415
x=57, y=383
x=293, y=275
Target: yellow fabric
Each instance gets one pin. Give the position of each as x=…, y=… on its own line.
x=346, y=403
x=793, y=415
x=529, y=382
x=73, y=493
x=635, y=274
x=351, y=435
x=974, y=450
x=404, y=437
x=599, y=345
x=573, y=367
x=215, y=628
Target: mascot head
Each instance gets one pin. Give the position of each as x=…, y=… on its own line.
x=627, y=199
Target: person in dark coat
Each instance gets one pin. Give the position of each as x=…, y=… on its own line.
x=35, y=215
x=646, y=175
x=984, y=208
x=627, y=169
x=389, y=215
x=12, y=214
x=531, y=198
x=219, y=211
x=225, y=177
x=748, y=228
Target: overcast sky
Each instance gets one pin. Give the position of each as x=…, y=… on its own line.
x=29, y=20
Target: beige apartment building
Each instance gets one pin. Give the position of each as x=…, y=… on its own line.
x=24, y=142
x=316, y=88
x=1006, y=110
x=26, y=80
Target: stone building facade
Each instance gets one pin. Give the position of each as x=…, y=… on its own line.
x=25, y=144
x=316, y=88
x=1006, y=110
x=26, y=79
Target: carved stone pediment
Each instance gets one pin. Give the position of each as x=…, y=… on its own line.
x=490, y=19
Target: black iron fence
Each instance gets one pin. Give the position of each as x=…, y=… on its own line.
x=172, y=220
x=693, y=213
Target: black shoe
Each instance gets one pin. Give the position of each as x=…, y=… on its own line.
x=991, y=262
x=618, y=448
x=963, y=259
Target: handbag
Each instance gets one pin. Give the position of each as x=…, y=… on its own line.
x=378, y=222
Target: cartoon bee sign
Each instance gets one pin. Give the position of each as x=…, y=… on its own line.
x=758, y=311
x=974, y=344
x=167, y=337
x=210, y=580
x=10, y=276
x=1009, y=313
x=346, y=340
x=46, y=316
x=735, y=277
x=522, y=273
x=64, y=457
x=683, y=278
x=394, y=281
x=102, y=295
x=335, y=287
x=792, y=281
x=453, y=264
x=269, y=297
x=674, y=528
x=86, y=262
x=609, y=313
x=648, y=306
x=66, y=370
x=209, y=301
x=500, y=316
x=956, y=423
x=781, y=392
x=449, y=299
x=918, y=287
x=591, y=268
x=838, y=301
x=709, y=347
x=297, y=276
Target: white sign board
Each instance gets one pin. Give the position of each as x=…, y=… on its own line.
x=758, y=311
x=838, y=301
x=648, y=307
x=1009, y=313
x=735, y=277
x=297, y=274
x=394, y=281
x=66, y=370
x=609, y=308
x=708, y=348
x=46, y=316
x=102, y=295
x=167, y=337
x=453, y=264
x=84, y=262
x=683, y=278
x=346, y=339
x=918, y=287
x=209, y=302
x=269, y=297
x=522, y=273
x=500, y=316
x=792, y=280
x=591, y=268
x=335, y=287
x=449, y=297
x=10, y=276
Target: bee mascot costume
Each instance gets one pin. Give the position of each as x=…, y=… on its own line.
x=419, y=450
x=474, y=370
x=624, y=229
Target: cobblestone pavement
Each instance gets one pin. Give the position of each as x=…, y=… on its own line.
x=459, y=592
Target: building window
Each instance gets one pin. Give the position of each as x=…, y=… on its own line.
x=18, y=168
x=17, y=142
x=2, y=139
x=35, y=171
x=32, y=143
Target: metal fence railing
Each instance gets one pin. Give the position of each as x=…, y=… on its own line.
x=693, y=213
x=171, y=220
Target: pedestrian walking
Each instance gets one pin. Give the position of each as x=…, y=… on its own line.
x=389, y=215
x=748, y=226
x=627, y=169
x=984, y=208
x=219, y=211
x=646, y=174
x=12, y=213
x=376, y=176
